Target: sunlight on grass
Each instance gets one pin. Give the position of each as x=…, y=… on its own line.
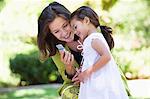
x=20, y=93
x=36, y=93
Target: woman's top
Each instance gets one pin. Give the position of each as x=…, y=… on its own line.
x=61, y=67
x=77, y=56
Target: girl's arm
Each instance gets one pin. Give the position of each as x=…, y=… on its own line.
x=101, y=48
x=104, y=52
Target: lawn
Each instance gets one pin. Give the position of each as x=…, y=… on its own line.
x=140, y=89
x=31, y=93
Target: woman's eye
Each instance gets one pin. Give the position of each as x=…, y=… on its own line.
x=56, y=32
x=65, y=25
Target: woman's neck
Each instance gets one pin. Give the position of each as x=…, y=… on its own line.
x=73, y=45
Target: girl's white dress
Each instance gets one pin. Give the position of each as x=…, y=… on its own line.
x=105, y=83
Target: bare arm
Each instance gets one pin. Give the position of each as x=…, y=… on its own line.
x=100, y=47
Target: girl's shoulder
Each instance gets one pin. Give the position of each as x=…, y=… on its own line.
x=95, y=35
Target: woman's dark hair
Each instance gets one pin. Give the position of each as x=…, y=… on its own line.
x=86, y=11
x=46, y=40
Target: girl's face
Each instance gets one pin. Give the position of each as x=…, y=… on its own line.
x=61, y=29
x=80, y=28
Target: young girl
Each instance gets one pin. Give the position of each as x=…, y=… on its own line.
x=100, y=77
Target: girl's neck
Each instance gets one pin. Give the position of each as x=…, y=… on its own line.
x=92, y=29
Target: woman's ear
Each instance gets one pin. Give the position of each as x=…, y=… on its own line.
x=86, y=20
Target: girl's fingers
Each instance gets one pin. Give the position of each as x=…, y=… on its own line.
x=75, y=79
x=77, y=82
x=78, y=70
x=81, y=77
x=74, y=76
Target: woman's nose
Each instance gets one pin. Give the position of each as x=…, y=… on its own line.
x=63, y=32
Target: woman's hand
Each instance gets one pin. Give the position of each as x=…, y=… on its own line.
x=68, y=59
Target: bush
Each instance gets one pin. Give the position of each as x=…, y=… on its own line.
x=135, y=63
x=31, y=71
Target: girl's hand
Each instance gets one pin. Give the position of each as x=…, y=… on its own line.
x=76, y=81
x=83, y=76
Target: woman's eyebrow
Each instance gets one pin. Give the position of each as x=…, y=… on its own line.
x=55, y=30
x=65, y=23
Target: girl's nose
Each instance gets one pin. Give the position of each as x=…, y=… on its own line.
x=75, y=32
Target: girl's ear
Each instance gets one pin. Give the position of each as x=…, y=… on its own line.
x=86, y=20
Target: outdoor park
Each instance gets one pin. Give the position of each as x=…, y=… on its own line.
x=24, y=76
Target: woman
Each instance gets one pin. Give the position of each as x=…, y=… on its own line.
x=53, y=29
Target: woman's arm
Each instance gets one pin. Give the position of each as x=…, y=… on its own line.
x=60, y=66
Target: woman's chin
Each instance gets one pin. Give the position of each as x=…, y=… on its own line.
x=69, y=39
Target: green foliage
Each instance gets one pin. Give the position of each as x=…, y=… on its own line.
x=135, y=63
x=107, y=4
x=29, y=40
x=133, y=23
x=32, y=71
x=2, y=4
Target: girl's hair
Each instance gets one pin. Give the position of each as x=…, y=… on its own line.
x=46, y=40
x=85, y=11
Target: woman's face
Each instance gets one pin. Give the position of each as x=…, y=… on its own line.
x=61, y=29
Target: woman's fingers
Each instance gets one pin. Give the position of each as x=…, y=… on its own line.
x=72, y=58
x=64, y=56
x=62, y=53
x=67, y=58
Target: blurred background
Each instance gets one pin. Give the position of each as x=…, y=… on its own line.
x=19, y=63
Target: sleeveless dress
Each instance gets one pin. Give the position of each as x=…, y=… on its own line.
x=105, y=83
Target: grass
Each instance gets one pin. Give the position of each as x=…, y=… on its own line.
x=140, y=89
x=31, y=93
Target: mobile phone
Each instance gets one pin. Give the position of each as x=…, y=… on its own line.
x=60, y=47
